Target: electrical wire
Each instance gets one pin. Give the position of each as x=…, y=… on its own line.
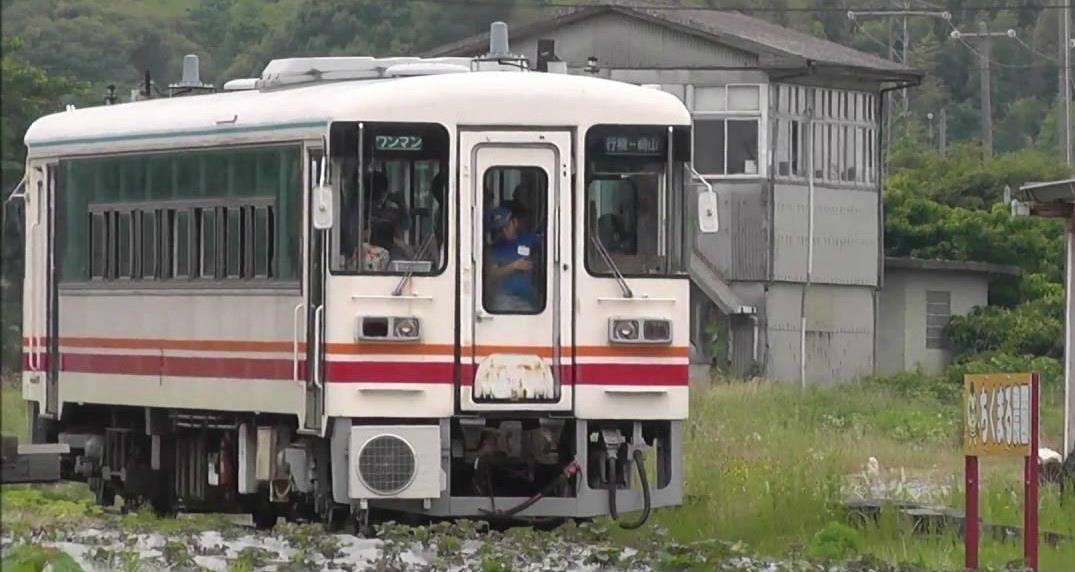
x=744, y=10
x=860, y=28
x=1032, y=50
x=980, y=55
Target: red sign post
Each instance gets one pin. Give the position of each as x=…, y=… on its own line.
x=1001, y=418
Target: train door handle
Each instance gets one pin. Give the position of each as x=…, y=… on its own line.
x=295, y=341
x=318, y=357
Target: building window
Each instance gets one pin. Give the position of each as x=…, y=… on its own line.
x=727, y=128
x=840, y=137
x=938, y=312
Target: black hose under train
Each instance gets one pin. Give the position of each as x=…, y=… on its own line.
x=568, y=471
x=647, y=501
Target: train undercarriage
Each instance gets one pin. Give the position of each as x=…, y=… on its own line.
x=536, y=469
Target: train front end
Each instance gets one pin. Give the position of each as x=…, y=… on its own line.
x=502, y=329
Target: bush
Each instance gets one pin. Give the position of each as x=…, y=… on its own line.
x=835, y=542
x=1034, y=328
x=1050, y=369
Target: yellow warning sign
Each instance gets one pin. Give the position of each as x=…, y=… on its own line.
x=996, y=417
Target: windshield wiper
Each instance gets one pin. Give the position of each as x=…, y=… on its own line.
x=627, y=293
x=417, y=257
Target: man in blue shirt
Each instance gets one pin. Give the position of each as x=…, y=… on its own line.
x=509, y=265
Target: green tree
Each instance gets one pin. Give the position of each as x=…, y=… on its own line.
x=26, y=92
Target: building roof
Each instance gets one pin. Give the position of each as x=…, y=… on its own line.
x=1053, y=198
x=778, y=47
x=940, y=265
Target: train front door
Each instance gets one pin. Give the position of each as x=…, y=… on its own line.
x=516, y=297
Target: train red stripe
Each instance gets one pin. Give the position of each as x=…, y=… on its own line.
x=349, y=371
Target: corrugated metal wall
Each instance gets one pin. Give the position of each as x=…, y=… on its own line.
x=845, y=235
x=621, y=42
x=740, y=251
x=839, y=338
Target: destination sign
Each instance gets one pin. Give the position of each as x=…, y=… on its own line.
x=634, y=145
x=997, y=414
x=397, y=143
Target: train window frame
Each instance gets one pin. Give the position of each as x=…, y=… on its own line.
x=544, y=236
x=118, y=183
x=682, y=136
x=342, y=148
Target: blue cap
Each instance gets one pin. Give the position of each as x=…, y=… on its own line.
x=499, y=218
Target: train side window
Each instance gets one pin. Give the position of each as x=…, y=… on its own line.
x=181, y=245
x=232, y=242
x=165, y=242
x=263, y=242
x=98, y=245
x=208, y=243
x=125, y=247
x=149, y=244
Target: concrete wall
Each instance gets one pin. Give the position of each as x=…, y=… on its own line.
x=902, y=328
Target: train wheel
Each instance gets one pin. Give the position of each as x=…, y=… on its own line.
x=264, y=515
x=103, y=492
x=362, y=525
x=336, y=518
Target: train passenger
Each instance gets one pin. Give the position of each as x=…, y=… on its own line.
x=509, y=264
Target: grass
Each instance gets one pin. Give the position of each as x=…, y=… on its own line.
x=12, y=407
x=767, y=465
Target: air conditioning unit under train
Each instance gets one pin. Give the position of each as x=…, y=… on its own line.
x=395, y=461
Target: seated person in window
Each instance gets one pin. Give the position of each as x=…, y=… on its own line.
x=509, y=266
x=384, y=229
x=610, y=231
x=526, y=199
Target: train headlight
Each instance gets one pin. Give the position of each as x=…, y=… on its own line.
x=389, y=329
x=657, y=331
x=640, y=331
x=407, y=328
x=621, y=330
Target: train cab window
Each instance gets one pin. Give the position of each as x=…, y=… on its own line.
x=634, y=208
x=393, y=198
x=514, y=253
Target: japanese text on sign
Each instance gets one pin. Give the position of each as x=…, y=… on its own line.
x=996, y=414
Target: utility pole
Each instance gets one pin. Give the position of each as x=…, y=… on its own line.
x=943, y=128
x=985, y=53
x=905, y=43
x=1066, y=45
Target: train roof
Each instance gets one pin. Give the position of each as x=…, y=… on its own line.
x=493, y=98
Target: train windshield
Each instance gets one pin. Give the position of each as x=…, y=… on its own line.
x=392, y=215
x=634, y=200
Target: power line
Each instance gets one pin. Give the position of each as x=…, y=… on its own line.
x=1034, y=51
x=678, y=8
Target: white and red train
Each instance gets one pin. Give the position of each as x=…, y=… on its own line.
x=366, y=285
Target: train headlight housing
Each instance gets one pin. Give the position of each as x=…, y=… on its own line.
x=657, y=331
x=389, y=329
x=639, y=331
x=407, y=328
x=623, y=330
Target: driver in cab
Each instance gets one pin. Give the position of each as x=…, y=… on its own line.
x=509, y=266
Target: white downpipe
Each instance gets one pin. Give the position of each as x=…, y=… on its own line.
x=809, y=246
